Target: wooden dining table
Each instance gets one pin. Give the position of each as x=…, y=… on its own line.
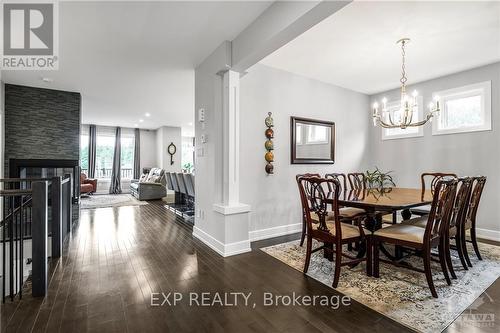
x=380, y=202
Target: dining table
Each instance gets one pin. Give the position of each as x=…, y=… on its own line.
x=378, y=202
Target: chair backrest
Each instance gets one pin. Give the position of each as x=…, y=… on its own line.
x=441, y=209
x=175, y=184
x=475, y=197
x=357, y=180
x=298, y=177
x=314, y=200
x=461, y=204
x=433, y=178
x=180, y=183
x=188, y=180
x=168, y=176
x=341, y=177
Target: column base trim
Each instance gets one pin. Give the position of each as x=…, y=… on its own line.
x=239, y=208
x=224, y=250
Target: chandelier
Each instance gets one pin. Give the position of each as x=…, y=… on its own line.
x=404, y=116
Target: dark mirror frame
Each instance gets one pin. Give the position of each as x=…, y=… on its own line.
x=294, y=159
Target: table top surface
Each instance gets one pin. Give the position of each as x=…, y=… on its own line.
x=395, y=198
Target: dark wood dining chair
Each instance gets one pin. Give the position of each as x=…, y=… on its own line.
x=350, y=215
x=457, y=220
x=421, y=239
x=304, y=227
x=330, y=230
x=357, y=180
x=429, y=180
x=470, y=220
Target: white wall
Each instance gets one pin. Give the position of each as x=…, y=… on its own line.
x=164, y=136
x=275, y=199
x=148, y=148
x=466, y=154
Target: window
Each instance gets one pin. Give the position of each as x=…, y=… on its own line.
x=105, y=148
x=84, y=149
x=187, y=158
x=127, y=157
x=399, y=133
x=464, y=109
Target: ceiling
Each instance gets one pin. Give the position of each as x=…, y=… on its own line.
x=128, y=59
x=355, y=48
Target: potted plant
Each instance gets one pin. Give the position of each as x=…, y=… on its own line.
x=379, y=179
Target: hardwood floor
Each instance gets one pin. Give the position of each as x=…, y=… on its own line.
x=117, y=257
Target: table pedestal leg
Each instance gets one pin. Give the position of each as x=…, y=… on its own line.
x=328, y=254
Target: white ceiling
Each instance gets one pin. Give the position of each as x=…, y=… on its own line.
x=128, y=59
x=355, y=48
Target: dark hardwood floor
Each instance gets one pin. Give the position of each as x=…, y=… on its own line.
x=117, y=257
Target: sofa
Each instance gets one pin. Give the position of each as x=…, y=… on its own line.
x=151, y=185
x=87, y=185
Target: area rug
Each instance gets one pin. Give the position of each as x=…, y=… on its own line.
x=401, y=294
x=115, y=200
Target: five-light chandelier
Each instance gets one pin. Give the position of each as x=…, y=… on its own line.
x=407, y=112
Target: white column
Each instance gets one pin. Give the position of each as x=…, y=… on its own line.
x=231, y=146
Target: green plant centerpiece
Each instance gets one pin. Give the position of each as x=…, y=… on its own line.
x=379, y=179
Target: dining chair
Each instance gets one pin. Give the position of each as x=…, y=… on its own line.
x=304, y=228
x=456, y=224
x=421, y=239
x=347, y=214
x=432, y=178
x=357, y=180
x=329, y=230
x=470, y=220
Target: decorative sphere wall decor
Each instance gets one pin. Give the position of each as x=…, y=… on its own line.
x=269, y=145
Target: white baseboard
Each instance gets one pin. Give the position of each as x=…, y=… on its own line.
x=224, y=250
x=281, y=230
x=489, y=234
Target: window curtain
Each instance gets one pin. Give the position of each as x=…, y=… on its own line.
x=92, y=150
x=115, y=187
x=137, y=153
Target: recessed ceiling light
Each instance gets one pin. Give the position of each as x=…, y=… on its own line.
x=190, y=124
x=141, y=120
x=135, y=125
x=47, y=79
x=147, y=114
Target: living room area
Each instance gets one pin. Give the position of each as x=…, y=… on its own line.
x=143, y=164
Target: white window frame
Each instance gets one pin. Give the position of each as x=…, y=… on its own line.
x=484, y=89
x=419, y=133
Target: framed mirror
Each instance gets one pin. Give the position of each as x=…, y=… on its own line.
x=312, y=141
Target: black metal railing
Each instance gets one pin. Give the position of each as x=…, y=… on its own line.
x=26, y=216
x=126, y=173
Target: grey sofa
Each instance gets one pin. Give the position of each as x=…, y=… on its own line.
x=151, y=186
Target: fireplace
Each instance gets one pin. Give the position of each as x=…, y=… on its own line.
x=47, y=168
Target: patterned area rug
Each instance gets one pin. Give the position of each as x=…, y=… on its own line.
x=401, y=294
x=115, y=200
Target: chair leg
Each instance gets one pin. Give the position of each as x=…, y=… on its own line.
x=428, y=272
x=448, y=257
x=458, y=245
x=308, y=253
x=464, y=249
x=375, y=255
x=474, y=242
x=303, y=236
x=338, y=261
x=442, y=261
